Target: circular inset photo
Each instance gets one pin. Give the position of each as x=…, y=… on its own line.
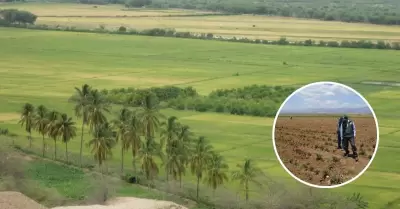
x=325, y=134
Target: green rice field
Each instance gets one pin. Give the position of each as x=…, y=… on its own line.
x=43, y=67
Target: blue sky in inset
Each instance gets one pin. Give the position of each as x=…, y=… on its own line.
x=324, y=96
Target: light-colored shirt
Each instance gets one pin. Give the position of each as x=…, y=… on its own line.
x=339, y=123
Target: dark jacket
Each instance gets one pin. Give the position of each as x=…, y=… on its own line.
x=351, y=127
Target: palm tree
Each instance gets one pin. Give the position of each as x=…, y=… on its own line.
x=102, y=143
x=121, y=124
x=41, y=122
x=201, y=154
x=96, y=109
x=27, y=120
x=185, y=142
x=216, y=171
x=52, y=118
x=246, y=174
x=81, y=100
x=185, y=147
x=169, y=135
x=132, y=136
x=64, y=128
x=150, y=116
x=174, y=165
x=148, y=150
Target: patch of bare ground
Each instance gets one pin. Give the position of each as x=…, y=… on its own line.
x=16, y=200
x=129, y=203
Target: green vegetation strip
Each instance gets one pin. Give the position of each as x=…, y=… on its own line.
x=250, y=100
x=24, y=19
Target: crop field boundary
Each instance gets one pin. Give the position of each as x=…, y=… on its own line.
x=361, y=44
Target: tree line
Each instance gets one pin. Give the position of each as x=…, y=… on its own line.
x=144, y=132
x=362, y=44
x=385, y=12
x=254, y=100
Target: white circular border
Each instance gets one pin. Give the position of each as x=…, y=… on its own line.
x=354, y=178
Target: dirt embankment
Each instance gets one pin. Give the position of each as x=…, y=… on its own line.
x=16, y=200
x=308, y=148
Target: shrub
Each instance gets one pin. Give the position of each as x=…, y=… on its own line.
x=18, y=16
x=122, y=29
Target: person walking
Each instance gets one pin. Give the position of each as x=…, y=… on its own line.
x=339, y=140
x=348, y=135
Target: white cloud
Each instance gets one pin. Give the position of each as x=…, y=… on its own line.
x=319, y=90
x=325, y=96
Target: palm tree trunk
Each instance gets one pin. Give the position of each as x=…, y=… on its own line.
x=66, y=151
x=44, y=145
x=166, y=167
x=30, y=139
x=80, y=153
x=180, y=180
x=198, y=187
x=55, y=149
x=134, y=161
x=166, y=173
x=134, y=166
x=106, y=167
x=122, y=159
x=247, y=191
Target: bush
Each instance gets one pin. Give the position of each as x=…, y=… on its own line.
x=16, y=16
x=137, y=3
x=4, y=131
x=122, y=29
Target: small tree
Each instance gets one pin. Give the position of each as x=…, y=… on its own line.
x=27, y=120
x=17, y=16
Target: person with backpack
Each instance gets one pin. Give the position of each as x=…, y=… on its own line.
x=348, y=135
x=339, y=140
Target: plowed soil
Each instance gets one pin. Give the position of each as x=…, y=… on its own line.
x=308, y=148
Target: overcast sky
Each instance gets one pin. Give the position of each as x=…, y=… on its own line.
x=324, y=95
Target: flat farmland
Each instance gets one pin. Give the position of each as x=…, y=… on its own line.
x=43, y=67
x=307, y=147
x=85, y=10
x=250, y=26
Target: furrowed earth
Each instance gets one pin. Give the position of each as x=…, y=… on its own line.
x=307, y=146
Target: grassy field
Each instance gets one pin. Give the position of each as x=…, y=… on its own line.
x=42, y=67
x=250, y=26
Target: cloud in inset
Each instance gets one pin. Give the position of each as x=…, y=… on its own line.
x=324, y=96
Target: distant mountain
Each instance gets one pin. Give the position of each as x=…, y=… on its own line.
x=345, y=110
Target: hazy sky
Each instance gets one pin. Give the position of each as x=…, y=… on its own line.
x=324, y=95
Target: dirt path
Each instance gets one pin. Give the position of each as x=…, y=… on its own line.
x=130, y=203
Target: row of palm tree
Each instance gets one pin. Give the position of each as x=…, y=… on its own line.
x=137, y=131
x=49, y=123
